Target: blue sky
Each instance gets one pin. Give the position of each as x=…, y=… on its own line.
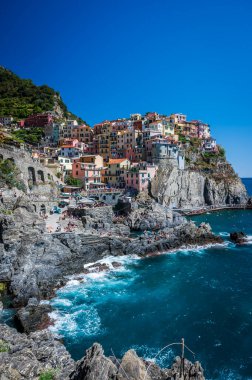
x=110, y=58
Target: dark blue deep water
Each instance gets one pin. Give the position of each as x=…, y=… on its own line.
x=248, y=184
x=203, y=295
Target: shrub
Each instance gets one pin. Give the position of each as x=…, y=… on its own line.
x=48, y=375
x=4, y=347
x=222, y=152
x=8, y=175
x=73, y=181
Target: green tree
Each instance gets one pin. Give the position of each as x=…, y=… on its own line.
x=70, y=181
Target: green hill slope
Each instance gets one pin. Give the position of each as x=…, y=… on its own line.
x=21, y=97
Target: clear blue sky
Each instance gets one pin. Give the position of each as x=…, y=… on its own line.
x=110, y=58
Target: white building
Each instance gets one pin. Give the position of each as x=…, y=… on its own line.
x=6, y=120
x=66, y=164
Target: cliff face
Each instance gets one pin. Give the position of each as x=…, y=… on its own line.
x=41, y=355
x=33, y=263
x=192, y=188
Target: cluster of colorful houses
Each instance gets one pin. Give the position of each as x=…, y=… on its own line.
x=122, y=153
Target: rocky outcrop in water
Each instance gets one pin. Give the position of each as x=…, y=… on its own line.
x=96, y=365
x=238, y=237
x=191, y=188
x=173, y=238
x=30, y=356
x=34, y=316
x=147, y=214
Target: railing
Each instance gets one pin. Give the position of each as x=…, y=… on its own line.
x=202, y=210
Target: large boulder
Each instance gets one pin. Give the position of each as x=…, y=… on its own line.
x=34, y=316
x=147, y=214
x=238, y=237
x=132, y=367
x=94, y=365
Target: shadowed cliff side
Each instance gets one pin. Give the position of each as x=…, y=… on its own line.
x=192, y=188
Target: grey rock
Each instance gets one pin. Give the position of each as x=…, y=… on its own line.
x=188, y=188
x=147, y=214
x=35, y=263
x=132, y=367
x=238, y=237
x=34, y=316
x=94, y=365
x=27, y=357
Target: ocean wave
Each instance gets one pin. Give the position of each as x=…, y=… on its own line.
x=58, y=302
x=249, y=239
x=224, y=234
x=151, y=354
x=82, y=322
x=109, y=260
x=72, y=282
x=198, y=249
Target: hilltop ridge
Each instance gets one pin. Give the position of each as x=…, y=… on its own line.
x=21, y=98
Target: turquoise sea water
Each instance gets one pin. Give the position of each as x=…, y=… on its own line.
x=203, y=295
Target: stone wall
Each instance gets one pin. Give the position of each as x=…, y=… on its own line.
x=31, y=169
x=41, y=183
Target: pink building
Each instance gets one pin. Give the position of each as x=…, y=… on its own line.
x=39, y=120
x=21, y=123
x=134, y=154
x=88, y=170
x=139, y=176
x=68, y=141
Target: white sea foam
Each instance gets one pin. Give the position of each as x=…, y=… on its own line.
x=84, y=321
x=96, y=275
x=61, y=302
x=44, y=302
x=72, y=282
x=151, y=354
x=249, y=239
x=77, y=279
x=198, y=249
x=224, y=234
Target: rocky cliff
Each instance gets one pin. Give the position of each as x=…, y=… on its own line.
x=41, y=356
x=198, y=187
x=34, y=262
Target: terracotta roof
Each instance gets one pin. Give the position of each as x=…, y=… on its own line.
x=116, y=160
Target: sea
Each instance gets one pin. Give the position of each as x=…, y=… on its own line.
x=203, y=295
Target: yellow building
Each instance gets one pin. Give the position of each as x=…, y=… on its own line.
x=114, y=173
x=167, y=128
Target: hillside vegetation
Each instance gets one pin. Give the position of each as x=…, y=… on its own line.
x=21, y=97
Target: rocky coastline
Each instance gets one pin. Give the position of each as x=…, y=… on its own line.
x=41, y=354
x=35, y=263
